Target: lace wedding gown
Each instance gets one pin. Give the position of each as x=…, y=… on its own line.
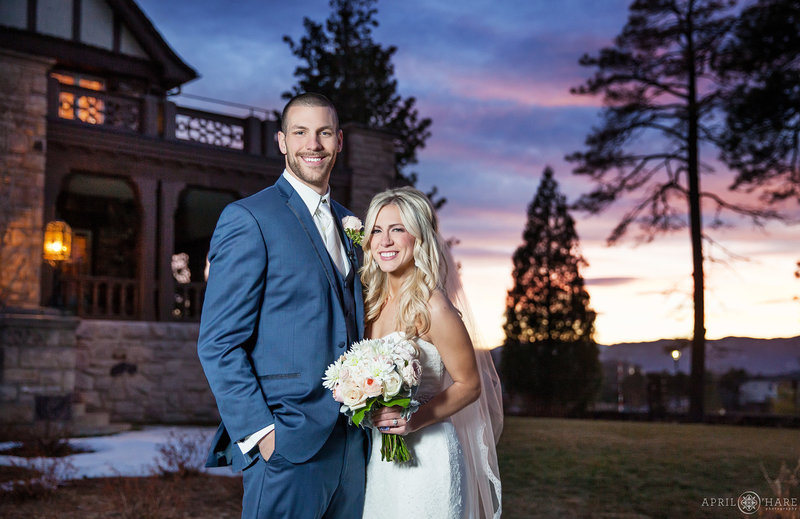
x=431, y=485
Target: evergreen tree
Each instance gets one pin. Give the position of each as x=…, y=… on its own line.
x=761, y=140
x=342, y=62
x=660, y=95
x=549, y=353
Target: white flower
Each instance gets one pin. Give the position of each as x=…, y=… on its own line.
x=353, y=228
x=333, y=374
x=412, y=372
x=372, y=386
x=391, y=385
x=404, y=351
x=353, y=396
x=352, y=222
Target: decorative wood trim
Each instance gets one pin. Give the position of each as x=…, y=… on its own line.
x=79, y=57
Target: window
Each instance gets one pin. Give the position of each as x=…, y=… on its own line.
x=74, y=105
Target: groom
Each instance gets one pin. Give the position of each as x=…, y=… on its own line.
x=283, y=301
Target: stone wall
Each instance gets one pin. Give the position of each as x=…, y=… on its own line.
x=23, y=125
x=37, y=368
x=142, y=372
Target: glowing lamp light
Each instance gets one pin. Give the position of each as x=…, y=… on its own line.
x=57, y=241
x=676, y=354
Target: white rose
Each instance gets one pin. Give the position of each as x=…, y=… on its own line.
x=353, y=396
x=412, y=372
x=405, y=351
x=352, y=223
x=391, y=385
x=372, y=387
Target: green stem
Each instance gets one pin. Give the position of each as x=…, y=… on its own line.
x=393, y=448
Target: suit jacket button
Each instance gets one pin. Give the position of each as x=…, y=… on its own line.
x=340, y=345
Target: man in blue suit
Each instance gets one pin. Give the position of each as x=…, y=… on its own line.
x=283, y=301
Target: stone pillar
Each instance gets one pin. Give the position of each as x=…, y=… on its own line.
x=369, y=155
x=37, y=368
x=23, y=126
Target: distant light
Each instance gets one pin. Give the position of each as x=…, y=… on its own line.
x=676, y=354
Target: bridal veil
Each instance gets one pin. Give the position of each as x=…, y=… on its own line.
x=480, y=424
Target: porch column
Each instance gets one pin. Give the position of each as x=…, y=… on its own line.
x=148, y=197
x=170, y=191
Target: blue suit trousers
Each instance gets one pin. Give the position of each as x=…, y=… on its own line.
x=330, y=485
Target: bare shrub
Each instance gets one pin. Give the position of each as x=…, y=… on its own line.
x=40, y=476
x=183, y=453
x=43, y=467
x=145, y=498
x=786, y=488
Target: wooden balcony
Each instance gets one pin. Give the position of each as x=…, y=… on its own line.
x=97, y=297
x=162, y=119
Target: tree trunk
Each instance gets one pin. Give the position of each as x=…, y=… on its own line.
x=696, y=383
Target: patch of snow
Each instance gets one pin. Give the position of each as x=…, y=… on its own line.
x=131, y=453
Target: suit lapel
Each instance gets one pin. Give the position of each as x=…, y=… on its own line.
x=300, y=210
x=348, y=245
x=352, y=257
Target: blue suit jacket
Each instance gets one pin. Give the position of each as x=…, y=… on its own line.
x=273, y=319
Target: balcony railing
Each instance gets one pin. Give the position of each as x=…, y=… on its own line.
x=100, y=297
x=99, y=108
x=103, y=297
x=156, y=117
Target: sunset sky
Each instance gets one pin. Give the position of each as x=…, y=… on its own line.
x=495, y=79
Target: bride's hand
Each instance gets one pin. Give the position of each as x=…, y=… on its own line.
x=389, y=420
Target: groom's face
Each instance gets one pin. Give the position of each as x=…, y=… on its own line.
x=310, y=144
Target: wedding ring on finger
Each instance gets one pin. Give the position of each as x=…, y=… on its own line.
x=394, y=422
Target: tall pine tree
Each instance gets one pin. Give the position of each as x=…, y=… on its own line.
x=549, y=356
x=761, y=138
x=660, y=96
x=341, y=61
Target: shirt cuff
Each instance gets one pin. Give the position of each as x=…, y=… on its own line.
x=249, y=442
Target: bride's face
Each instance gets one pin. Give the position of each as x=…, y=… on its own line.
x=391, y=245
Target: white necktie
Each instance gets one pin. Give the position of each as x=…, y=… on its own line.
x=330, y=236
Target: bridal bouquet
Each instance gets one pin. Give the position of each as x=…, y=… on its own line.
x=376, y=372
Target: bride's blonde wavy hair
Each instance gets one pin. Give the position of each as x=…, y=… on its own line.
x=430, y=264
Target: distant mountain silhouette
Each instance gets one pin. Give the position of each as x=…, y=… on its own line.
x=756, y=356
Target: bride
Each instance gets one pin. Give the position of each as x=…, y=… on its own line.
x=413, y=291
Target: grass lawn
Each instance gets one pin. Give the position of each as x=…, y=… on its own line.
x=581, y=468
x=550, y=469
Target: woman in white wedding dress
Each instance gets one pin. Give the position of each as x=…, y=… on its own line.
x=409, y=293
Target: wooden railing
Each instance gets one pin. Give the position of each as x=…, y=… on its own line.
x=99, y=108
x=102, y=297
x=99, y=297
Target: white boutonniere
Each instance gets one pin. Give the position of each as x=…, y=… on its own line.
x=353, y=228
